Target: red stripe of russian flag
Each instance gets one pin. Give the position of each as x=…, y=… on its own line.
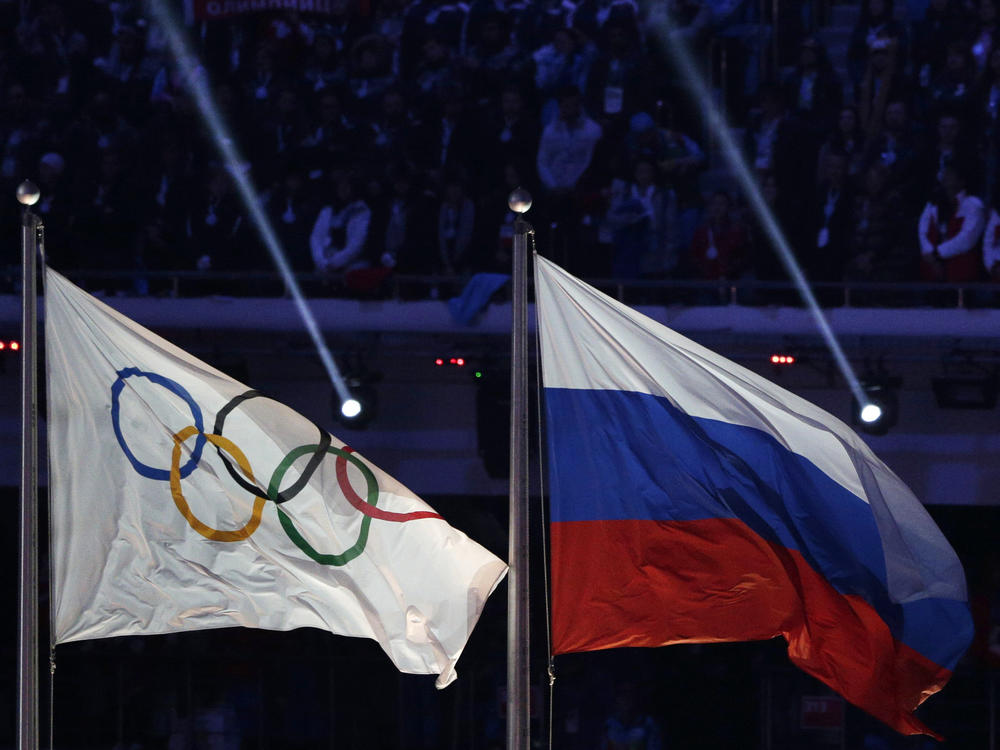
x=654, y=583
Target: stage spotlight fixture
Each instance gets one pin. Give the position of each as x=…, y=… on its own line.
x=880, y=409
x=362, y=406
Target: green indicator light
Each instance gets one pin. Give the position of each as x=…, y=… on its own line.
x=478, y=374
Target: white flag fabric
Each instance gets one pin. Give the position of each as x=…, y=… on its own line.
x=183, y=500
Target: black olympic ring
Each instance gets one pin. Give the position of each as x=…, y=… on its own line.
x=310, y=468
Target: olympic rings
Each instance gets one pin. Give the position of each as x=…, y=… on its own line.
x=293, y=533
x=174, y=387
x=217, y=535
x=366, y=506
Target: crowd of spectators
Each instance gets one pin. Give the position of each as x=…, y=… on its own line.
x=384, y=135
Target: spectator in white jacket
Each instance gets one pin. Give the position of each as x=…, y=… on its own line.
x=567, y=144
x=565, y=152
x=338, y=237
x=991, y=245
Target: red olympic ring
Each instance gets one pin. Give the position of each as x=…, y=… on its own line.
x=367, y=508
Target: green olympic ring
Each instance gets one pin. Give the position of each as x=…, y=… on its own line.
x=286, y=522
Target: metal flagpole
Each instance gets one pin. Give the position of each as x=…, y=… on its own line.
x=27, y=640
x=518, y=640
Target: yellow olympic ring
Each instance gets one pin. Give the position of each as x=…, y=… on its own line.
x=227, y=445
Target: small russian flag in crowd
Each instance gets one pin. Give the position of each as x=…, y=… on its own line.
x=693, y=501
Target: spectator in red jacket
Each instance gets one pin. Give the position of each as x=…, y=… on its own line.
x=950, y=229
x=720, y=247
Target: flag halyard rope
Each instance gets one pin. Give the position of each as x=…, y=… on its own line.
x=551, y=667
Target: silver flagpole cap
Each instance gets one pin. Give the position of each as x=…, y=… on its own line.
x=28, y=193
x=519, y=201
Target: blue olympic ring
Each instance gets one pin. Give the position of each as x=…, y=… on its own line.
x=174, y=387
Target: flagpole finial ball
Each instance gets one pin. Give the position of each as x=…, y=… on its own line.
x=28, y=193
x=519, y=201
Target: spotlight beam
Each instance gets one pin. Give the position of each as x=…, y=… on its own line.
x=681, y=59
x=196, y=79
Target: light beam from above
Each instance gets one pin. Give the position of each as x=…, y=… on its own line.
x=675, y=48
x=196, y=81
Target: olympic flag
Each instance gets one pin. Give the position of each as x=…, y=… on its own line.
x=694, y=501
x=183, y=500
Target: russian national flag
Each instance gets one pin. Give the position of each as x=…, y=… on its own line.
x=694, y=501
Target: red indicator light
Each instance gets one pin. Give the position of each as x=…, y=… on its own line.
x=460, y=362
x=453, y=361
x=782, y=359
x=439, y=361
x=2, y=345
x=14, y=345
